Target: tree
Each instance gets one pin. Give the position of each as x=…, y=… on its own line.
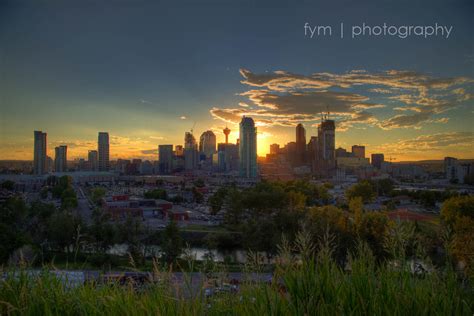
x=456, y=207
x=131, y=232
x=373, y=228
x=156, y=194
x=458, y=215
x=383, y=186
x=63, y=230
x=321, y=219
x=216, y=201
x=363, y=189
x=356, y=207
x=172, y=243
x=199, y=183
x=8, y=185
x=102, y=233
x=97, y=194
x=198, y=197
x=234, y=208
x=13, y=230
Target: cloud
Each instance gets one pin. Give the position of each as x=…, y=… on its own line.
x=149, y=152
x=436, y=144
x=281, y=98
x=183, y=117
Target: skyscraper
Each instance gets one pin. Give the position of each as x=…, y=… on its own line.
x=248, y=148
x=274, y=149
x=92, y=160
x=39, y=164
x=313, y=152
x=207, y=144
x=103, y=149
x=358, y=151
x=300, y=145
x=191, y=155
x=60, y=158
x=165, y=154
x=326, y=148
x=377, y=160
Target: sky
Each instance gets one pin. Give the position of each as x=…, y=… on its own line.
x=148, y=71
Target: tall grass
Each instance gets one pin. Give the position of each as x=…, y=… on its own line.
x=306, y=281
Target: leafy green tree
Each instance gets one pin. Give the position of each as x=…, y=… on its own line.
x=383, y=186
x=157, y=194
x=199, y=183
x=458, y=215
x=8, y=185
x=44, y=192
x=172, y=243
x=102, y=233
x=131, y=232
x=234, y=208
x=356, y=207
x=68, y=199
x=97, y=194
x=216, y=201
x=363, y=189
x=198, y=197
x=456, y=207
x=63, y=230
x=320, y=220
x=13, y=220
x=373, y=228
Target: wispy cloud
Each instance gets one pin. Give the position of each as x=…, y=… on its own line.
x=282, y=98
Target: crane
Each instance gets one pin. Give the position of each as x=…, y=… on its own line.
x=192, y=128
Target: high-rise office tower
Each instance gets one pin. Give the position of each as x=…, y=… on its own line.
x=358, y=151
x=103, y=149
x=326, y=147
x=207, y=144
x=300, y=145
x=179, y=151
x=313, y=152
x=248, y=148
x=165, y=155
x=60, y=158
x=40, y=163
x=274, y=149
x=191, y=155
x=92, y=159
x=377, y=160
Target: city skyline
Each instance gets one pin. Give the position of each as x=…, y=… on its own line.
x=148, y=81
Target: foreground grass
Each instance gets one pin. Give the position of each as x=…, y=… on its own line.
x=310, y=284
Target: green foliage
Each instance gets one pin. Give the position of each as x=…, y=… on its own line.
x=13, y=229
x=373, y=228
x=102, y=233
x=199, y=183
x=363, y=189
x=306, y=281
x=198, y=197
x=457, y=207
x=63, y=230
x=458, y=216
x=97, y=194
x=216, y=201
x=383, y=186
x=335, y=221
x=172, y=243
x=8, y=185
x=157, y=194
